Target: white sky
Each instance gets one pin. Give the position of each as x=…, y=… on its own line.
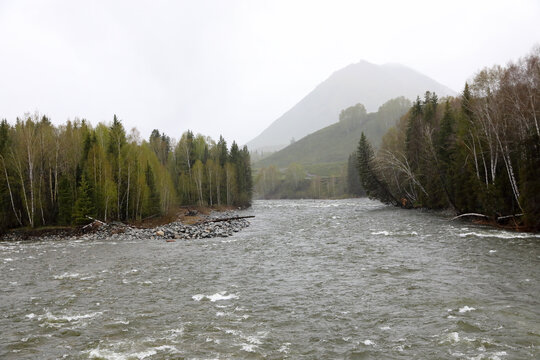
x=233, y=67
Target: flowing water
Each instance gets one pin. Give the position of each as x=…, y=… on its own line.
x=313, y=279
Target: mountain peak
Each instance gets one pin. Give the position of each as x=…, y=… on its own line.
x=362, y=82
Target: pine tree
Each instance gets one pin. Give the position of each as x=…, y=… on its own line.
x=153, y=205
x=83, y=205
x=65, y=202
x=222, y=151
x=116, y=143
x=444, y=147
x=4, y=191
x=530, y=182
x=247, y=192
x=374, y=187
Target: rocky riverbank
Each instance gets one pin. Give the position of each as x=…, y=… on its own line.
x=208, y=226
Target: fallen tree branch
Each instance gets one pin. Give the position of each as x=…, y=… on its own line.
x=229, y=218
x=487, y=217
x=469, y=214
x=95, y=220
x=509, y=216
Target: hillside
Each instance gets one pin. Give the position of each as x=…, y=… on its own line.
x=334, y=143
x=365, y=83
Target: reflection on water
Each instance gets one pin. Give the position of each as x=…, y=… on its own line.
x=307, y=279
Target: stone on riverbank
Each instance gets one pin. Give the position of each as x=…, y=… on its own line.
x=174, y=230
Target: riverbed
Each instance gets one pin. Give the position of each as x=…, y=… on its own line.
x=308, y=279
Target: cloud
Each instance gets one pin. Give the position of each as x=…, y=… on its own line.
x=232, y=67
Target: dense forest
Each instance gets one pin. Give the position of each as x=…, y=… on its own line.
x=60, y=175
x=477, y=153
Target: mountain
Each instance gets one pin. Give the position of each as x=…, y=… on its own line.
x=365, y=83
x=325, y=151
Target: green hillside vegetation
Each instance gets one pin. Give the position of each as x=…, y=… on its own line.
x=331, y=146
x=323, y=158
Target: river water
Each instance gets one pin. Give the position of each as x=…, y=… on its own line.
x=312, y=279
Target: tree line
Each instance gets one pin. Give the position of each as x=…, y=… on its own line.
x=476, y=153
x=60, y=175
x=295, y=182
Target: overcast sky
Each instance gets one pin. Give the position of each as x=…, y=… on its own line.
x=233, y=67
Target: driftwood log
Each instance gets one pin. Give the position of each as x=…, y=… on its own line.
x=228, y=219
x=470, y=214
x=486, y=217
x=94, y=221
x=509, y=216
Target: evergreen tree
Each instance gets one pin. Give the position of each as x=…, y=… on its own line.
x=374, y=187
x=83, y=206
x=4, y=129
x=4, y=191
x=65, y=202
x=222, y=151
x=247, y=190
x=117, y=141
x=445, y=154
x=153, y=204
x=530, y=179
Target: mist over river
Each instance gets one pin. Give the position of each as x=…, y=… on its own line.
x=313, y=279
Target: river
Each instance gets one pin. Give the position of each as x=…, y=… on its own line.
x=309, y=279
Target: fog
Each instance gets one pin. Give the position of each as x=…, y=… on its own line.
x=233, y=67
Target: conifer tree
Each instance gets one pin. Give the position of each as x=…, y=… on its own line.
x=374, y=187
x=83, y=206
x=65, y=202
x=153, y=204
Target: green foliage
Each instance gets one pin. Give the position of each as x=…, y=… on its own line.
x=334, y=143
x=530, y=181
x=4, y=191
x=61, y=175
x=294, y=175
x=222, y=152
x=65, y=202
x=83, y=206
x=4, y=136
x=153, y=201
x=353, y=116
x=117, y=136
x=161, y=145
x=478, y=154
x=325, y=154
x=369, y=177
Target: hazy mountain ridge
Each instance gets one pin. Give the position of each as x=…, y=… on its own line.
x=365, y=83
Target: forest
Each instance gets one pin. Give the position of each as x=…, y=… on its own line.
x=62, y=175
x=478, y=153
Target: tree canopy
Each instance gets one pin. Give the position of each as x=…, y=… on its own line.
x=53, y=175
x=478, y=153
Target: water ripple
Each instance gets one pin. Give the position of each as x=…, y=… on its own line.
x=308, y=279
